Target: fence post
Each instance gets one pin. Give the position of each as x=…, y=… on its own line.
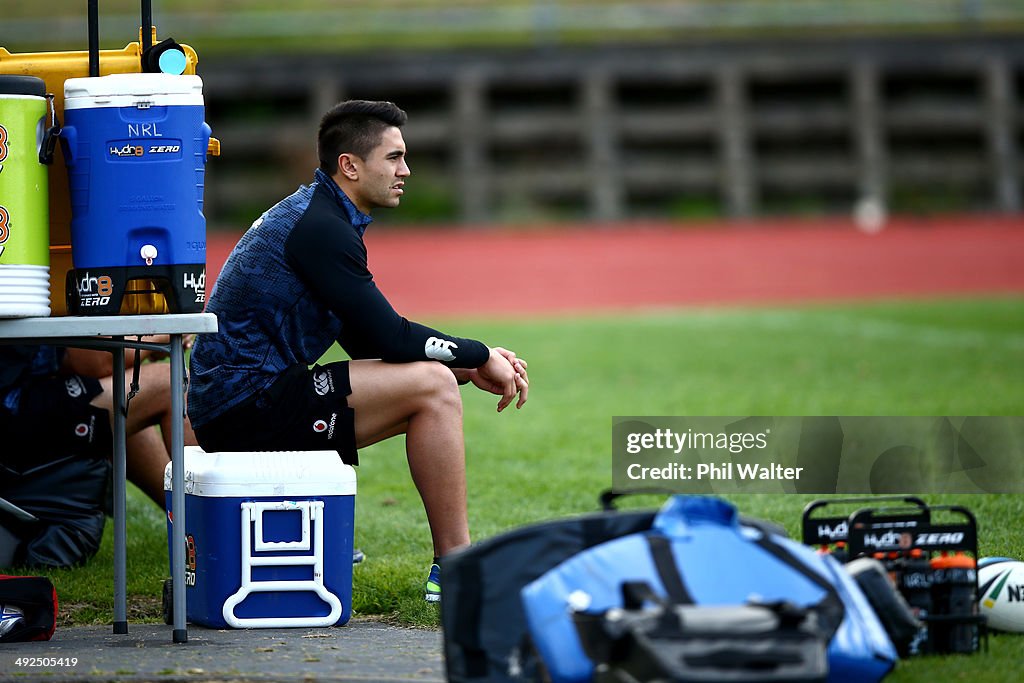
x=325, y=92
x=1000, y=106
x=468, y=138
x=739, y=175
x=605, y=182
x=868, y=135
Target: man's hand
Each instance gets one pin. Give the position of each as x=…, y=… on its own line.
x=503, y=374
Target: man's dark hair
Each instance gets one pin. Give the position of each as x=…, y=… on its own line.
x=356, y=127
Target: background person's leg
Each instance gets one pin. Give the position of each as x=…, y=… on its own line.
x=147, y=448
x=151, y=406
x=423, y=401
x=147, y=458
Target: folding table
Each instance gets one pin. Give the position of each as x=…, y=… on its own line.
x=110, y=333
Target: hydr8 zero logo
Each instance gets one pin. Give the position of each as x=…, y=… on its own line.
x=95, y=290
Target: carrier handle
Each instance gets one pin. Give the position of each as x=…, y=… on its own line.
x=94, y=38
x=609, y=496
x=808, y=521
x=147, y=24
x=815, y=504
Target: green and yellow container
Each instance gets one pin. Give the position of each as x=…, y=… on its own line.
x=24, y=201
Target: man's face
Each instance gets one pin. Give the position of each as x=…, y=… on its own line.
x=382, y=174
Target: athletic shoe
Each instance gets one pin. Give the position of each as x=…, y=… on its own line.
x=357, y=556
x=433, y=592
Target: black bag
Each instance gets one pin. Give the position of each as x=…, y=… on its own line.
x=28, y=608
x=753, y=643
x=69, y=497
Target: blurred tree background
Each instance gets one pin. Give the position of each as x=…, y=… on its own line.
x=545, y=111
x=375, y=24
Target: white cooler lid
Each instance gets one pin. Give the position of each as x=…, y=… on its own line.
x=260, y=474
x=129, y=90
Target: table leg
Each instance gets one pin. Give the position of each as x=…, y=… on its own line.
x=120, y=497
x=178, y=486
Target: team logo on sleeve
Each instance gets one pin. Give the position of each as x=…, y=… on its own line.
x=440, y=349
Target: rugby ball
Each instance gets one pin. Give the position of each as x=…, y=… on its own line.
x=1001, y=593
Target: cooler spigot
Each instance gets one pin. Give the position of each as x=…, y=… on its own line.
x=148, y=252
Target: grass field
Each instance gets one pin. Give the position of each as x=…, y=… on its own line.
x=552, y=458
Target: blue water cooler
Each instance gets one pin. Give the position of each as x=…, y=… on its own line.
x=136, y=146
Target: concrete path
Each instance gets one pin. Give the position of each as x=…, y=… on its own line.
x=363, y=650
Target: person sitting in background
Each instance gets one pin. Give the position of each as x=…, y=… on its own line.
x=57, y=401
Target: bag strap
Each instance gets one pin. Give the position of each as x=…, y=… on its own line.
x=636, y=593
x=668, y=570
x=830, y=609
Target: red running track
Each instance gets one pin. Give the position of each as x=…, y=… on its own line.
x=492, y=271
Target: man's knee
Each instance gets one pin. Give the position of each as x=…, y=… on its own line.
x=437, y=382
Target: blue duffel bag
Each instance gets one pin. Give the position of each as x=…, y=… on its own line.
x=717, y=561
x=485, y=633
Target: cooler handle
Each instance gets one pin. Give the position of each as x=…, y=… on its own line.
x=68, y=143
x=251, y=512
x=207, y=142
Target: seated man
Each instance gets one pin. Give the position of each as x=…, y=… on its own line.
x=297, y=282
x=58, y=401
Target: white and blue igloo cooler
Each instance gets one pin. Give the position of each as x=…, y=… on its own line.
x=268, y=538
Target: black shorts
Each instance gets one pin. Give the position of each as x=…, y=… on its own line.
x=303, y=410
x=55, y=420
